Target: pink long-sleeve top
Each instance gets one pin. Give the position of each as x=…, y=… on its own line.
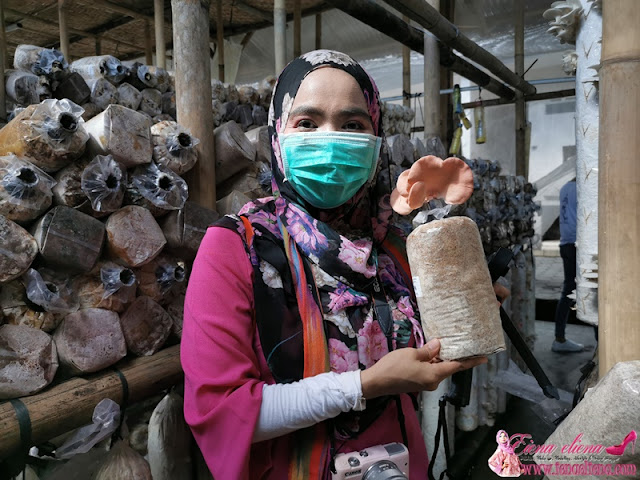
x=225, y=370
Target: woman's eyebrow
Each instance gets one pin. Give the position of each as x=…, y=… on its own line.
x=306, y=110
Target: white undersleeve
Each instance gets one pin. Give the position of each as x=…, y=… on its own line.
x=287, y=407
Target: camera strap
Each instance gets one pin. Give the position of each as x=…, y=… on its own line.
x=442, y=427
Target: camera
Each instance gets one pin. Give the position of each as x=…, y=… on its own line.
x=380, y=462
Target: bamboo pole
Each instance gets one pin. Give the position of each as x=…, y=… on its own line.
x=406, y=71
x=619, y=186
x=280, y=34
x=220, y=39
x=64, y=33
x=297, y=29
x=69, y=405
x=521, y=120
x=3, y=64
x=570, y=92
x=158, y=11
x=192, y=66
x=379, y=18
x=318, y=44
x=427, y=16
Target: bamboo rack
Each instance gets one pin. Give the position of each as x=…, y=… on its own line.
x=69, y=405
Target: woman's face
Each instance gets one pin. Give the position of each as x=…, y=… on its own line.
x=503, y=438
x=329, y=100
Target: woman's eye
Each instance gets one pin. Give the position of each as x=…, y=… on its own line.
x=353, y=125
x=305, y=124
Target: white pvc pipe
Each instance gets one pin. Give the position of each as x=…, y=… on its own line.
x=280, y=34
x=588, y=48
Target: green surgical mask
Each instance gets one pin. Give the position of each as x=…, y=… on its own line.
x=328, y=168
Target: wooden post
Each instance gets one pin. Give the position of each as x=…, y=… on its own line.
x=158, y=11
x=148, y=43
x=192, y=66
x=280, y=34
x=406, y=71
x=297, y=29
x=431, y=96
x=318, y=31
x=98, y=41
x=220, y=39
x=521, y=116
x=3, y=63
x=64, y=33
x=619, y=186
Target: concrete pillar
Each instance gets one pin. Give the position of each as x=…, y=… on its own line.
x=280, y=34
x=619, y=185
x=193, y=92
x=158, y=10
x=588, y=49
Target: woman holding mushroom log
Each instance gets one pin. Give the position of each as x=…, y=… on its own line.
x=301, y=339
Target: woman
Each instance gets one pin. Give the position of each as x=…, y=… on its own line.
x=300, y=309
x=505, y=462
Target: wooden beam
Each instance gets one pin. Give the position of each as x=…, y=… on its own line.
x=386, y=22
x=427, y=16
x=220, y=39
x=64, y=33
x=318, y=31
x=114, y=8
x=618, y=186
x=158, y=23
x=297, y=29
x=522, y=167
x=4, y=61
x=192, y=65
x=570, y=92
x=261, y=14
x=70, y=404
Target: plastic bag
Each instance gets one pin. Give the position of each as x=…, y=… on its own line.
x=154, y=77
x=260, y=116
x=53, y=297
x=17, y=250
x=151, y=102
x=23, y=87
x=160, y=186
x=174, y=147
x=102, y=66
x=129, y=96
x=104, y=182
x=16, y=309
x=63, y=121
x=106, y=418
x=25, y=190
x=40, y=61
x=103, y=93
x=114, y=277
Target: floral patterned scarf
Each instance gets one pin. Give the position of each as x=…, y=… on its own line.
x=316, y=272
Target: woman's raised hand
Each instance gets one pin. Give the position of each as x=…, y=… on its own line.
x=411, y=370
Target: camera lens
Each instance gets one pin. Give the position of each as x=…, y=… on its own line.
x=384, y=470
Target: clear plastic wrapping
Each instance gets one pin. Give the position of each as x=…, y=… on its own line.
x=40, y=61
x=160, y=186
x=105, y=420
x=245, y=117
x=169, y=104
x=129, y=96
x=102, y=66
x=174, y=147
x=53, y=296
x=28, y=363
x=103, y=92
x=115, y=277
x=51, y=134
x=146, y=326
x=124, y=463
x=154, y=77
x=22, y=87
x=25, y=190
x=218, y=91
x=151, y=102
x=17, y=309
x=68, y=188
x=247, y=94
x=104, y=182
x=260, y=116
x=18, y=249
x=161, y=278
